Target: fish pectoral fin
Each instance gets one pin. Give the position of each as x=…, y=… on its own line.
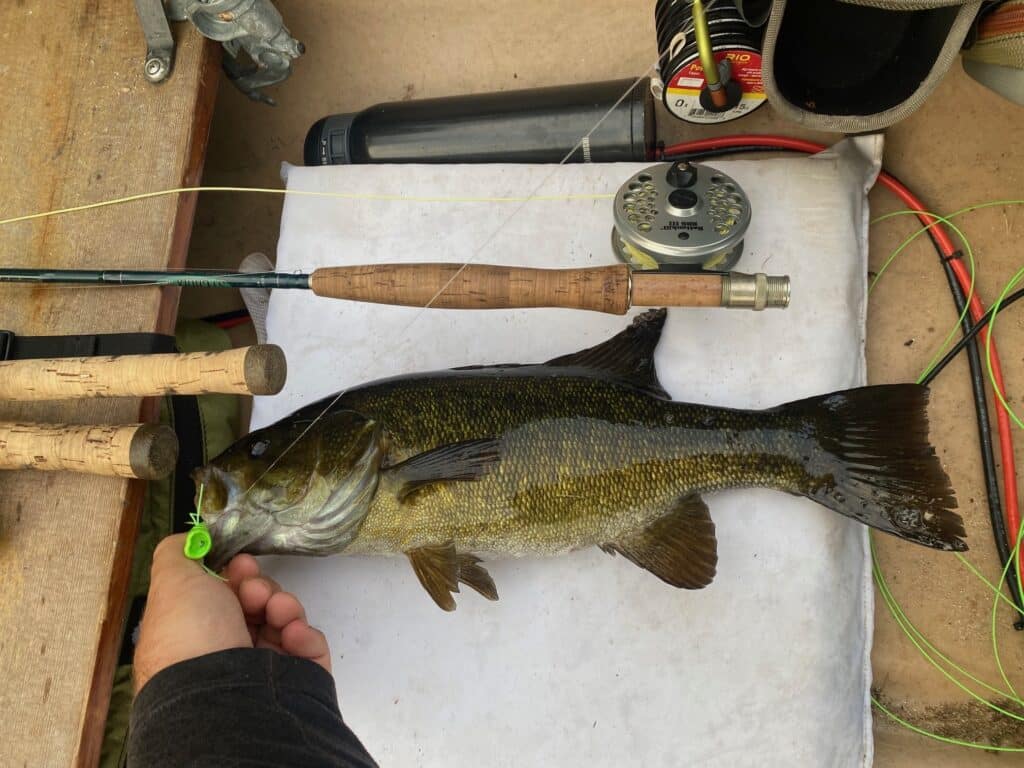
x=440, y=569
x=679, y=548
x=468, y=460
x=628, y=356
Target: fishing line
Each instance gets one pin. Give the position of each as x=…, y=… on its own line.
x=913, y=634
x=997, y=388
x=988, y=346
x=911, y=631
x=304, y=193
x=1014, y=559
x=938, y=737
x=917, y=638
x=899, y=250
x=895, y=609
x=1011, y=512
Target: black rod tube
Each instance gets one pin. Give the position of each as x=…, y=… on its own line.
x=540, y=125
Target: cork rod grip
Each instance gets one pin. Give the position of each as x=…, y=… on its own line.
x=653, y=289
x=477, y=286
x=144, y=451
x=256, y=370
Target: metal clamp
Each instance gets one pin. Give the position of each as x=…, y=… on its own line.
x=253, y=26
x=159, y=43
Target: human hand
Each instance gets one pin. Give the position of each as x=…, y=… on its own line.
x=190, y=613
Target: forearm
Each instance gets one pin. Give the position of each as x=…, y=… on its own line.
x=242, y=706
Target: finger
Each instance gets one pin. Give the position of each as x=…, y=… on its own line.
x=253, y=595
x=300, y=639
x=269, y=636
x=282, y=609
x=262, y=642
x=240, y=568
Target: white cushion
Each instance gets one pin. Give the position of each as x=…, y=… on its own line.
x=588, y=660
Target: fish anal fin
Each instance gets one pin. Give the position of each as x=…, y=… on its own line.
x=465, y=461
x=440, y=569
x=476, y=577
x=627, y=356
x=679, y=548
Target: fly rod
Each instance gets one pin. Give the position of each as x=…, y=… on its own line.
x=613, y=289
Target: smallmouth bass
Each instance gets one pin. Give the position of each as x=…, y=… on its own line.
x=584, y=450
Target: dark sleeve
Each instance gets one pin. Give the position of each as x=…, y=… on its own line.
x=247, y=707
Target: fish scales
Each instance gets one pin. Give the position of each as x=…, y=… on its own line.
x=583, y=459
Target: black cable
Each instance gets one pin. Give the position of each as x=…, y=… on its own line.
x=999, y=531
x=220, y=317
x=995, y=505
x=713, y=153
x=975, y=330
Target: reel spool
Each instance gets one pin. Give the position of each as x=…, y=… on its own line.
x=736, y=35
x=680, y=217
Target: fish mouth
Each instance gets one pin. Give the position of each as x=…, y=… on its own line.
x=227, y=538
x=218, y=488
x=220, y=556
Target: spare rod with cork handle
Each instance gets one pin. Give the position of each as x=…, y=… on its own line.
x=613, y=289
x=257, y=370
x=143, y=451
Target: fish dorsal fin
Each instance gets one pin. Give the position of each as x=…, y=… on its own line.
x=468, y=460
x=440, y=569
x=628, y=355
x=679, y=548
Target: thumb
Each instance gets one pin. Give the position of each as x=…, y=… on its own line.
x=188, y=613
x=169, y=561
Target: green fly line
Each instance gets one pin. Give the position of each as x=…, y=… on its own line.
x=1009, y=287
x=970, y=261
x=939, y=737
x=920, y=642
x=988, y=346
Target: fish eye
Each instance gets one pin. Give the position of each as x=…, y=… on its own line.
x=259, y=448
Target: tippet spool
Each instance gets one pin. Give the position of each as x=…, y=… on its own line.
x=681, y=217
x=737, y=48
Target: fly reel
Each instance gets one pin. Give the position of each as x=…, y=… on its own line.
x=680, y=217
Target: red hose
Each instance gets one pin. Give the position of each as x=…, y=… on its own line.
x=977, y=310
x=233, y=322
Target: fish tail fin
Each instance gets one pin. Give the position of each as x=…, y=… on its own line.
x=876, y=465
